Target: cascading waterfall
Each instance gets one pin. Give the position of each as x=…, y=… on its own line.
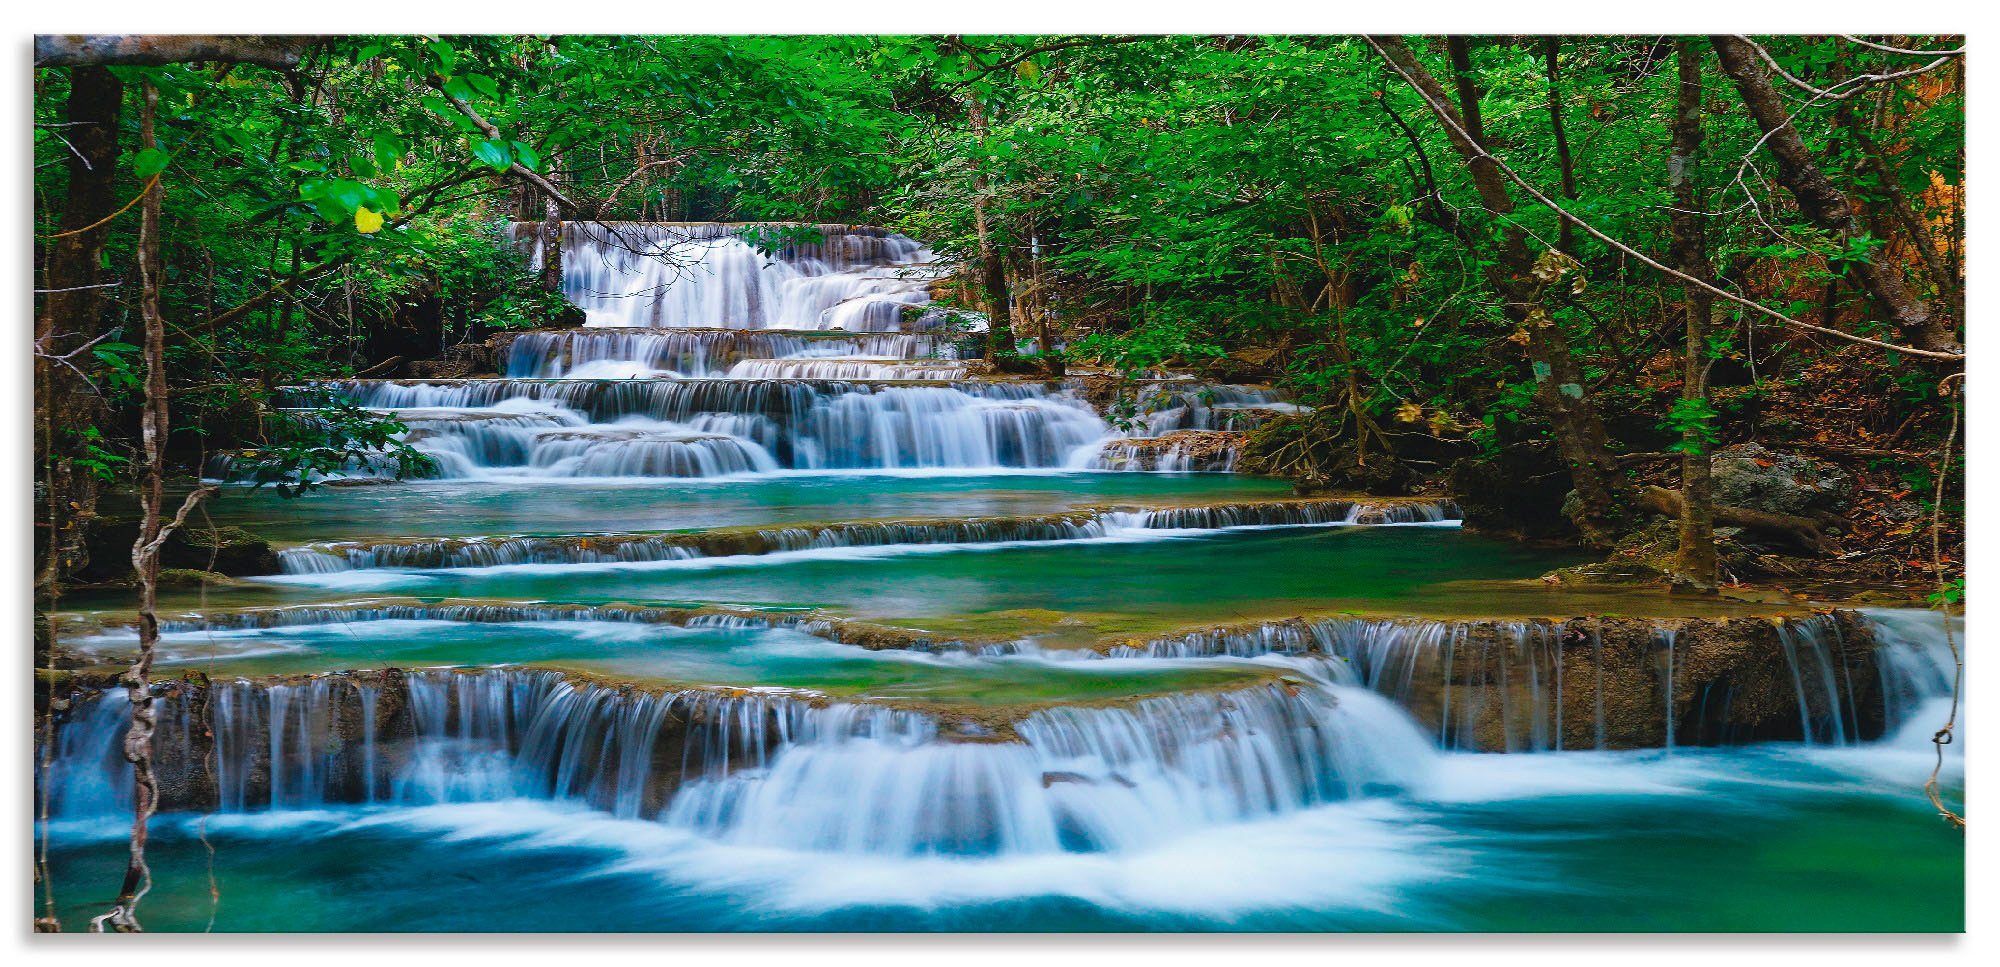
x=1816, y=654
x=715, y=427
x=692, y=353
x=705, y=357
x=1669, y=712
x=1169, y=407
x=1500, y=685
x=1166, y=455
x=1079, y=780
x=661, y=275
x=845, y=368
x=761, y=769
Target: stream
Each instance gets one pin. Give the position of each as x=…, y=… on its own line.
x=743, y=607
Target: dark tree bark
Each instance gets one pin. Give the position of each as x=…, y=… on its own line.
x=1822, y=202
x=71, y=316
x=1551, y=52
x=1559, y=385
x=1905, y=214
x=1695, y=565
x=552, y=254
x=153, y=50
x=153, y=427
x=1000, y=344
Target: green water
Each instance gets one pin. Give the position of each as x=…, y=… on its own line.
x=1758, y=840
x=465, y=509
x=1765, y=838
x=1072, y=590
x=669, y=655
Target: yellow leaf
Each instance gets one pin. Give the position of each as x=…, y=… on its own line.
x=367, y=222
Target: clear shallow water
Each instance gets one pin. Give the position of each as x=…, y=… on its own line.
x=774, y=657
x=1274, y=793
x=1765, y=838
x=1120, y=585
x=467, y=508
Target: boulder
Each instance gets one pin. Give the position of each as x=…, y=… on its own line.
x=225, y=550
x=196, y=547
x=1518, y=490
x=1773, y=482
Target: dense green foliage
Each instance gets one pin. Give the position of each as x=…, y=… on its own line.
x=1281, y=208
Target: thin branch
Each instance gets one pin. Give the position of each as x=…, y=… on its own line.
x=1643, y=258
x=1042, y=49
x=1954, y=52
x=516, y=168
x=1858, y=82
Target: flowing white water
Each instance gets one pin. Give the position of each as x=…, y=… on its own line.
x=704, y=428
x=689, y=353
x=768, y=770
x=663, y=275
x=705, y=357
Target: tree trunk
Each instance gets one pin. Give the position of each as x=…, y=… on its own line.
x=72, y=311
x=1559, y=385
x=1000, y=345
x=1551, y=52
x=1823, y=203
x=552, y=255
x=153, y=426
x=279, y=52
x=1695, y=565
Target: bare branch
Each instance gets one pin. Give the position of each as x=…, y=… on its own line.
x=516, y=169
x=1855, y=84
x=1475, y=147
x=1954, y=52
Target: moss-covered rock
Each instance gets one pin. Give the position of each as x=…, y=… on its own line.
x=197, y=547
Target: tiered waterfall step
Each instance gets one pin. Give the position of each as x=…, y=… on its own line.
x=696, y=352
x=469, y=552
x=751, y=276
x=792, y=424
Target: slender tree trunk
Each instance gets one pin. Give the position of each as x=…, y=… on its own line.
x=1824, y=204
x=72, y=312
x=1551, y=52
x=153, y=426
x=552, y=255
x=1520, y=279
x=1695, y=564
x=1905, y=214
x=1000, y=345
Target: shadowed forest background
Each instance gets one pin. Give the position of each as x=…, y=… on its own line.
x=1324, y=213
x=1675, y=325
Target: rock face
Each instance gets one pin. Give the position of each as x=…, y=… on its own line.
x=1774, y=482
x=361, y=737
x=234, y=551
x=1179, y=451
x=1519, y=490
x=1582, y=683
x=231, y=551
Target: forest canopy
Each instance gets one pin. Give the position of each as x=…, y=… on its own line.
x=1577, y=259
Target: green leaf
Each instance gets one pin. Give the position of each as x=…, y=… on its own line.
x=494, y=153
x=484, y=85
x=447, y=57
x=149, y=162
x=388, y=151
x=526, y=155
